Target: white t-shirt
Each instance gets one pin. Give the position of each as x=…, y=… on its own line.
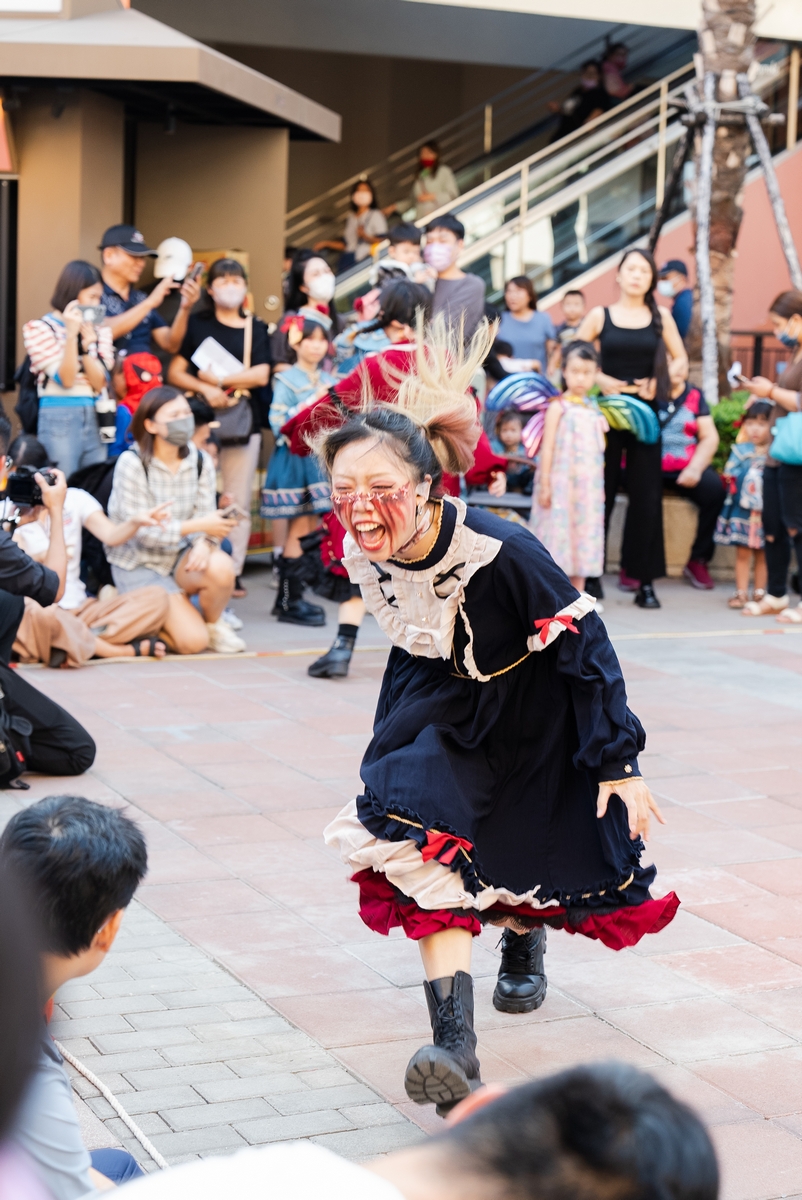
x=298, y=1171
x=35, y=539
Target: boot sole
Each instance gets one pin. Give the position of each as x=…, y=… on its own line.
x=433, y=1078
x=285, y=620
x=520, y=1004
x=329, y=672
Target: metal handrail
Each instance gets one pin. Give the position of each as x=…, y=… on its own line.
x=465, y=138
x=552, y=186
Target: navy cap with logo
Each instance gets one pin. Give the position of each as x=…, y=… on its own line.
x=674, y=264
x=128, y=238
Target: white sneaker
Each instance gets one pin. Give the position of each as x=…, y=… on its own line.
x=223, y=639
x=231, y=619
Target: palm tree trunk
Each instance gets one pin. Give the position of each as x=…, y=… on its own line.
x=727, y=42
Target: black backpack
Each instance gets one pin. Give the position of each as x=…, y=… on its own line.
x=27, y=406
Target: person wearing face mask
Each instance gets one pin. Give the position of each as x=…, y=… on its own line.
x=182, y=555
x=365, y=225
x=458, y=297
x=586, y=102
x=221, y=317
x=310, y=289
x=782, y=481
x=673, y=282
x=434, y=184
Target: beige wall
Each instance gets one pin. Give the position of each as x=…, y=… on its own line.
x=217, y=188
x=385, y=104
x=70, y=187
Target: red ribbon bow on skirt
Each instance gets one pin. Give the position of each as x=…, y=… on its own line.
x=444, y=846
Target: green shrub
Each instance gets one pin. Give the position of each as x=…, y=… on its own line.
x=727, y=416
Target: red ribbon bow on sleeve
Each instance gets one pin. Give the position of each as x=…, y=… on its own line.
x=561, y=619
x=444, y=846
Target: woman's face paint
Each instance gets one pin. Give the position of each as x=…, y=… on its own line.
x=375, y=499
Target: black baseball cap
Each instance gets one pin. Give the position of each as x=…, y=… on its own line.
x=674, y=264
x=128, y=238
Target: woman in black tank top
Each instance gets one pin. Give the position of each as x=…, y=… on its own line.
x=636, y=340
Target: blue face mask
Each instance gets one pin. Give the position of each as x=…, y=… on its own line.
x=788, y=340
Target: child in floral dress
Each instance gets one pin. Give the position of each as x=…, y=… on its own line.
x=741, y=520
x=568, y=512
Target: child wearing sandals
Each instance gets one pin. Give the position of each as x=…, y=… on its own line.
x=741, y=521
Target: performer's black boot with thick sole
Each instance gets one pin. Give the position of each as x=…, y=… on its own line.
x=521, y=986
x=290, y=605
x=334, y=664
x=448, y=1071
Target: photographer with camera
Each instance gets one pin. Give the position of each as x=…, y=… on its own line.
x=71, y=353
x=38, y=734
x=69, y=633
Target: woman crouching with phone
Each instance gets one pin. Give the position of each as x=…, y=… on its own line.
x=183, y=555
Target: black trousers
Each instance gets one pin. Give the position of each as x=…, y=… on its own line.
x=642, y=552
x=782, y=512
x=58, y=745
x=708, y=496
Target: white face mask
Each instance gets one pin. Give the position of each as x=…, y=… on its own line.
x=229, y=295
x=321, y=288
x=665, y=287
x=439, y=255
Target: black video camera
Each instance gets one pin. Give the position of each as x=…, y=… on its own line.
x=23, y=490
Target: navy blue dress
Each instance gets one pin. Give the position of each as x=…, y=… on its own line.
x=501, y=710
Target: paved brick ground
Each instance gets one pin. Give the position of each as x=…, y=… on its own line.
x=246, y=1002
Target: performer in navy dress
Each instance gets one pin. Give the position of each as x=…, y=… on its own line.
x=502, y=783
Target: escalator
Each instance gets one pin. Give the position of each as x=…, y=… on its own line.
x=564, y=210
x=489, y=138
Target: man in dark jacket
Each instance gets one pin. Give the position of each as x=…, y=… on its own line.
x=57, y=744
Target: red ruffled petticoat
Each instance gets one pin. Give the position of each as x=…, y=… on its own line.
x=382, y=908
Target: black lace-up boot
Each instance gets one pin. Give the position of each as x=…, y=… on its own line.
x=522, y=981
x=290, y=605
x=445, y=1073
x=335, y=662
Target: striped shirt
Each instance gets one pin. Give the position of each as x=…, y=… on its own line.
x=136, y=490
x=45, y=342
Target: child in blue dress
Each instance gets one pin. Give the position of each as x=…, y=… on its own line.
x=296, y=488
x=741, y=520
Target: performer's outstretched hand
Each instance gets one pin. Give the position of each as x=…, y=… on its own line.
x=639, y=801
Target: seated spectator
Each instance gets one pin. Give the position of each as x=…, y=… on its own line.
x=182, y=556
x=601, y=1132
x=70, y=356
x=64, y=634
x=689, y=441
x=509, y=428
x=530, y=333
x=132, y=376
x=20, y=1030
x=458, y=296
x=131, y=314
x=365, y=226
x=80, y=863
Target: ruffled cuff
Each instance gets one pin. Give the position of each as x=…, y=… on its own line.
x=616, y=772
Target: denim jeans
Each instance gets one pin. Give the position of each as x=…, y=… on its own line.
x=117, y=1165
x=70, y=435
